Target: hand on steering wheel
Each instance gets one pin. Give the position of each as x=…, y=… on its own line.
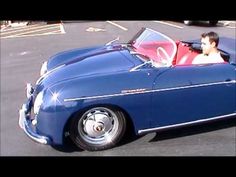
x=165, y=58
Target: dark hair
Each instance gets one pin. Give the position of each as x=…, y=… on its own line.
x=213, y=37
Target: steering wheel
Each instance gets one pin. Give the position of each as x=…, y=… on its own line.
x=164, y=56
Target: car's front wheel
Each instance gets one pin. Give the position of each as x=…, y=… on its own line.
x=98, y=128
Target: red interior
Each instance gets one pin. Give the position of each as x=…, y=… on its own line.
x=183, y=56
x=150, y=49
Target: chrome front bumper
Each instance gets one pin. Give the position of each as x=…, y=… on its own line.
x=25, y=122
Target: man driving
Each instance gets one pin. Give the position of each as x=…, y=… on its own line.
x=210, y=53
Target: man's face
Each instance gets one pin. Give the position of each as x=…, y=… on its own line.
x=206, y=45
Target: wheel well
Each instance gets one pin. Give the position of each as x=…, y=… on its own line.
x=129, y=123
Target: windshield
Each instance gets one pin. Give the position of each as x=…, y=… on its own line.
x=157, y=47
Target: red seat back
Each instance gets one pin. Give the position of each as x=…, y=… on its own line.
x=184, y=55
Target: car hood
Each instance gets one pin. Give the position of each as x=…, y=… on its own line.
x=101, y=62
x=69, y=55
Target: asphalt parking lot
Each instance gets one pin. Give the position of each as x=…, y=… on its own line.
x=24, y=49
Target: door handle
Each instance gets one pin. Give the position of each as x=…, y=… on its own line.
x=228, y=80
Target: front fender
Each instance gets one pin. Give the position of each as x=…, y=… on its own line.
x=125, y=90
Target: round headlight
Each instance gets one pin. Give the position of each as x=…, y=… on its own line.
x=38, y=102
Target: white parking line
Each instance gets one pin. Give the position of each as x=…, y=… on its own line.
x=32, y=35
x=92, y=29
x=169, y=24
x=19, y=28
x=14, y=30
x=119, y=26
x=19, y=34
x=55, y=29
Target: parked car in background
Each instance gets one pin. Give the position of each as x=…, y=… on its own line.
x=191, y=22
x=94, y=95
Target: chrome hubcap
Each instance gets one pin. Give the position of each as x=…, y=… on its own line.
x=98, y=125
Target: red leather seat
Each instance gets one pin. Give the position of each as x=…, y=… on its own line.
x=184, y=56
x=187, y=59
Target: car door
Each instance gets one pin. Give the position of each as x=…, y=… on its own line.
x=189, y=93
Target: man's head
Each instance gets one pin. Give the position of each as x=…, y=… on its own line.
x=209, y=42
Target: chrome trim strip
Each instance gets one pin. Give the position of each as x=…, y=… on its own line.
x=138, y=66
x=183, y=124
x=102, y=96
x=150, y=91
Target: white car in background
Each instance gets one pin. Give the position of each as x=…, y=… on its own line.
x=190, y=22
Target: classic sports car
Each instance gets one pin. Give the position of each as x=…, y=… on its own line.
x=90, y=94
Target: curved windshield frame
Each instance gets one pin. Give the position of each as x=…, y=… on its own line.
x=157, y=47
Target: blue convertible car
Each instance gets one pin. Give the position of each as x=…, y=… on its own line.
x=91, y=94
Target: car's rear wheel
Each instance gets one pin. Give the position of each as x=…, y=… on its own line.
x=98, y=128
